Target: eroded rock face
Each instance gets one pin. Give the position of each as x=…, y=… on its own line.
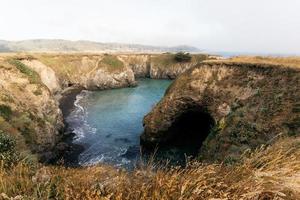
x=160, y=66
x=102, y=79
x=48, y=76
x=159, y=71
x=250, y=103
x=33, y=86
x=35, y=120
x=140, y=64
x=84, y=71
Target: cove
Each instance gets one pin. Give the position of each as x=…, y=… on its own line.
x=108, y=123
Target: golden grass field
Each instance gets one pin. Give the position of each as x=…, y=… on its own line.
x=268, y=173
x=285, y=61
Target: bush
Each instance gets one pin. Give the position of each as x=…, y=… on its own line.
x=5, y=112
x=112, y=61
x=182, y=57
x=32, y=75
x=8, y=153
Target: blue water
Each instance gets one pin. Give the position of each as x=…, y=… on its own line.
x=109, y=123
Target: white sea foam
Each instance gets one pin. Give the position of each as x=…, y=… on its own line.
x=77, y=119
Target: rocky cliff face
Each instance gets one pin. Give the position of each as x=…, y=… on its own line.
x=159, y=66
x=31, y=86
x=226, y=108
x=140, y=64
x=28, y=110
x=89, y=71
x=160, y=71
x=47, y=75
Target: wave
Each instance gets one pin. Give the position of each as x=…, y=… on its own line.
x=77, y=119
x=113, y=157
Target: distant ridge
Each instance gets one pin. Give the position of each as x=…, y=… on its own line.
x=57, y=45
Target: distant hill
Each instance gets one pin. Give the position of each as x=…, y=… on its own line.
x=45, y=45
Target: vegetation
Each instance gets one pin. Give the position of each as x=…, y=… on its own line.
x=34, y=78
x=173, y=60
x=182, y=57
x=285, y=61
x=268, y=173
x=8, y=154
x=38, y=92
x=111, y=62
x=5, y=111
x=69, y=67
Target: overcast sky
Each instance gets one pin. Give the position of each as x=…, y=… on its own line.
x=267, y=26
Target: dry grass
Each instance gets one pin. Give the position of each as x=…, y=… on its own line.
x=268, y=173
x=111, y=63
x=168, y=60
x=285, y=61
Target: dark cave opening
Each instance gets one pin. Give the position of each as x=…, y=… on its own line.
x=190, y=129
x=185, y=137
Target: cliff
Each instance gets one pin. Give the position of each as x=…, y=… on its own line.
x=34, y=85
x=160, y=66
x=225, y=108
x=28, y=110
x=241, y=103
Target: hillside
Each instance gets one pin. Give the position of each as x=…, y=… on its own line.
x=45, y=45
x=250, y=104
x=35, y=86
x=241, y=105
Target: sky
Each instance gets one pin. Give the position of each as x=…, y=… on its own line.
x=257, y=26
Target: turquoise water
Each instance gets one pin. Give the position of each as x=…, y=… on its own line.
x=109, y=123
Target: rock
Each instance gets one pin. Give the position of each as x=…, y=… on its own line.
x=140, y=64
x=39, y=101
x=37, y=120
x=214, y=89
x=47, y=74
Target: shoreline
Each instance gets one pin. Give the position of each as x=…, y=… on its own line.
x=66, y=102
x=70, y=152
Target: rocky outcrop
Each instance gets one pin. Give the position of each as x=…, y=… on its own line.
x=89, y=72
x=102, y=79
x=160, y=66
x=140, y=64
x=47, y=75
x=226, y=108
x=34, y=120
x=58, y=71
x=33, y=85
x=160, y=71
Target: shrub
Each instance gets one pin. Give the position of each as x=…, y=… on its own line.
x=33, y=76
x=182, y=57
x=5, y=112
x=8, y=153
x=38, y=92
x=112, y=61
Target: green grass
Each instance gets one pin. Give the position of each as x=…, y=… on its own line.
x=112, y=61
x=164, y=60
x=5, y=112
x=8, y=154
x=167, y=60
x=32, y=75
